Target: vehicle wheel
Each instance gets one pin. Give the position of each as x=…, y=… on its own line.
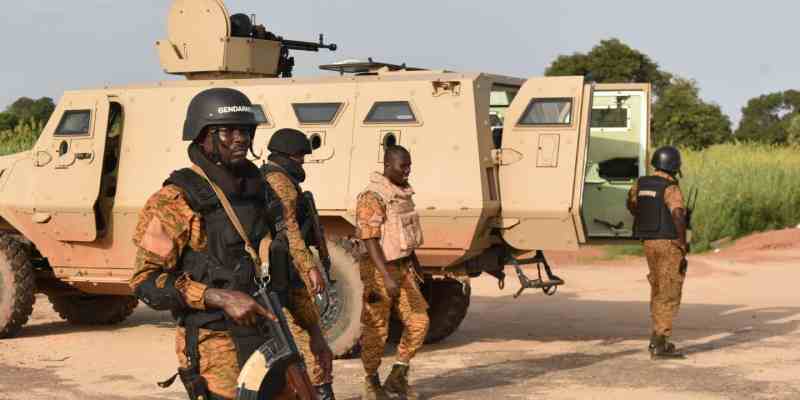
x=17, y=286
x=341, y=320
x=94, y=309
x=448, y=302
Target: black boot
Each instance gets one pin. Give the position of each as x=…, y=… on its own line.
x=325, y=391
x=661, y=349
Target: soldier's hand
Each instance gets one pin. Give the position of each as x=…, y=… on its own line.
x=323, y=354
x=316, y=281
x=391, y=286
x=241, y=308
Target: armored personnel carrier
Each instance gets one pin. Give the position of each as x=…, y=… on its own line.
x=505, y=168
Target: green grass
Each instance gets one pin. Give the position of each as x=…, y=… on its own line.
x=743, y=188
x=21, y=138
x=616, y=252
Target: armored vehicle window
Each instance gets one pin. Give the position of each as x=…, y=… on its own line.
x=316, y=113
x=548, y=112
x=74, y=122
x=609, y=118
x=391, y=111
x=261, y=116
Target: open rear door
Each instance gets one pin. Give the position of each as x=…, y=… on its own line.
x=542, y=159
x=619, y=133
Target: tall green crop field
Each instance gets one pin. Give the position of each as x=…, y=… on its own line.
x=742, y=188
x=21, y=138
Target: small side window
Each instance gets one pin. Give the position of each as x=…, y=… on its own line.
x=609, y=118
x=74, y=123
x=316, y=113
x=261, y=116
x=548, y=112
x=391, y=111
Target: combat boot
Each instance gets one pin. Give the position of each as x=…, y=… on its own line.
x=373, y=389
x=397, y=383
x=325, y=392
x=661, y=349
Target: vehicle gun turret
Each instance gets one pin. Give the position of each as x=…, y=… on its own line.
x=205, y=42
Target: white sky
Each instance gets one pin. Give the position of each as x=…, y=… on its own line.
x=734, y=50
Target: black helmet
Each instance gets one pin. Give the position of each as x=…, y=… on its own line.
x=289, y=141
x=218, y=106
x=667, y=158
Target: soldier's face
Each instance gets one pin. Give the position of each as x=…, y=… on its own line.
x=397, y=169
x=234, y=142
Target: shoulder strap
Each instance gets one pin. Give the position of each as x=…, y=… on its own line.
x=235, y=221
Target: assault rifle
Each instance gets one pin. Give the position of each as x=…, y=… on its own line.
x=690, y=204
x=280, y=352
x=314, y=228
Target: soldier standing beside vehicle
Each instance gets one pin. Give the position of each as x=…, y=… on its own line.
x=295, y=274
x=389, y=227
x=192, y=261
x=660, y=221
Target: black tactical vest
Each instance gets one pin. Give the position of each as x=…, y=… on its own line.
x=653, y=219
x=282, y=271
x=224, y=264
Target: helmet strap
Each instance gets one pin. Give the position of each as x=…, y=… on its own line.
x=215, y=156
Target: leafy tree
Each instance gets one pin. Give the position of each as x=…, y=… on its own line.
x=767, y=118
x=8, y=121
x=681, y=118
x=614, y=62
x=26, y=108
x=793, y=130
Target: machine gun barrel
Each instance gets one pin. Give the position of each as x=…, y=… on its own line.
x=307, y=46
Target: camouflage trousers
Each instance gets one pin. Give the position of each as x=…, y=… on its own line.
x=410, y=306
x=666, y=278
x=218, y=363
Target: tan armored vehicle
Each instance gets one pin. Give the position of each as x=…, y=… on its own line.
x=505, y=168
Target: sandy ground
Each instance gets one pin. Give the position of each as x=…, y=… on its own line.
x=740, y=324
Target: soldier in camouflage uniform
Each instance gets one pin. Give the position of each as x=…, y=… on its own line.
x=389, y=227
x=660, y=220
x=191, y=260
x=296, y=275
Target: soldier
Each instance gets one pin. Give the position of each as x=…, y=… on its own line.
x=292, y=263
x=660, y=221
x=192, y=261
x=389, y=227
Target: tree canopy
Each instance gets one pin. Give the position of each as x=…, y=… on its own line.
x=681, y=117
x=25, y=109
x=769, y=118
x=614, y=62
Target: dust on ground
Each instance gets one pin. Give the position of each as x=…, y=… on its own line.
x=739, y=324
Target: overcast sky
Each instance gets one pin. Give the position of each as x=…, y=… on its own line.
x=735, y=50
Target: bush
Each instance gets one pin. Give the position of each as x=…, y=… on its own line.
x=743, y=188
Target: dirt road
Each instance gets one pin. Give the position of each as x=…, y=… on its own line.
x=740, y=324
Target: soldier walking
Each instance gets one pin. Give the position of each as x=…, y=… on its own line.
x=295, y=275
x=660, y=221
x=192, y=261
x=389, y=227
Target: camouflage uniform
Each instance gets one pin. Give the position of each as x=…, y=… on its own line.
x=664, y=259
x=166, y=226
x=301, y=304
x=410, y=306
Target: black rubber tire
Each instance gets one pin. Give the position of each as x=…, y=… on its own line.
x=94, y=309
x=17, y=286
x=448, y=302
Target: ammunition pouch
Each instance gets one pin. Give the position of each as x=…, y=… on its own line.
x=160, y=298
